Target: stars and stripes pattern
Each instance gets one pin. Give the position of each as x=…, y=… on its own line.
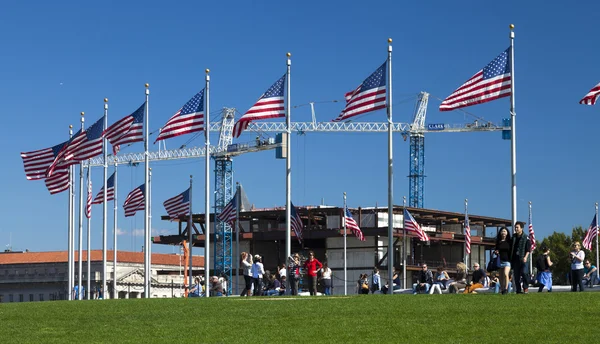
x=296, y=223
x=228, y=213
x=591, y=97
x=492, y=82
x=91, y=144
x=590, y=235
x=531, y=234
x=179, y=205
x=269, y=105
x=368, y=96
x=351, y=223
x=88, y=205
x=110, y=191
x=411, y=225
x=189, y=119
x=135, y=201
x=467, y=235
x=128, y=129
x=61, y=153
x=36, y=163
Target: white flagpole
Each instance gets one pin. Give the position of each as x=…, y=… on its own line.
x=146, y=203
x=190, y=238
x=513, y=131
x=390, y=171
x=104, y=206
x=115, y=209
x=207, y=186
x=80, y=242
x=89, y=241
x=597, y=233
x=237, y=233
x=528, y=234
x=70, y=234
x=345, y=253
x=149, y=243
x=467, y=255
x=403, y=246
x=288, y=169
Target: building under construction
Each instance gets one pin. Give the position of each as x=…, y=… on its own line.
x=263, y=232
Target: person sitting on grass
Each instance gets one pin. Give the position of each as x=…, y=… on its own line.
x=424, y=281
x=216, y=288
x=461, y=278
x=590, y=274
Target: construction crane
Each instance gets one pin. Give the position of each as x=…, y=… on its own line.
x=225, y=150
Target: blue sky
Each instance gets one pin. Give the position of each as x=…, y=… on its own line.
x=65, y=57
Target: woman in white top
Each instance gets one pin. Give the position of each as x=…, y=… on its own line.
x=246, y=263
x=258, y=271
x=326, y=278
x=577, y=257
x=282, y=271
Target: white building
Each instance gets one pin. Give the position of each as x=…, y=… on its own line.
x=42, y=276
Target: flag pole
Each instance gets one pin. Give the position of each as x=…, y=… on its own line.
x=237, y=230
x=513, y=131
x=345, y=252
x=390, y=170
x=146, y=205
x=104, y=206
x=149, y=243
x=115, y=209
x=70, y=231
x=80, y=241
x=191, y=270
x=207, y=186
x=467, y=255
x=288, y=168
x=529, y=234
x=597, y=230
x=403, y=245
x=89, y=240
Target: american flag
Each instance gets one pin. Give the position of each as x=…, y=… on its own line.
x=296, y=224
x=368, y=96
x=591, y=234
x=412, y=226
x=110, y=191
x=135, y=201
x=178, y=205
x=531, y=234
x=228, y=213
x=58, y=182
x=128, y=129
x=592, y=96
x=467, y=234
x=83, y=146
x=189, y=119
x=61, y=152
x=351, y=223
x=36, y=163
x=490, y=83
x=88, y=207
x=269, y=105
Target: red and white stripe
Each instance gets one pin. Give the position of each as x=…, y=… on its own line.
x=135, y=201
x=477, y=91
x=591, y=97
x=37, y=162
x=411, y=225
x=88, y=208
x=58, y=182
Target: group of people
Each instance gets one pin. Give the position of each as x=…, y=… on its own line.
x=217, y=287
x=259, y=282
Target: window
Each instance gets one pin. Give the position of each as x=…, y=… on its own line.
x=10, y=298
x=20, y=297
x=30, y=297
x=41, y=297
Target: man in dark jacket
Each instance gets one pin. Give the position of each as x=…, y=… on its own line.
x=424, y=281
x=521, y=247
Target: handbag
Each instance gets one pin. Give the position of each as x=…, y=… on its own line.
x=494, y=263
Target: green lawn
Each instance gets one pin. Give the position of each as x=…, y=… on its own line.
x=482, y=318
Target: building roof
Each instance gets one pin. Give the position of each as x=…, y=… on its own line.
x=96, y=256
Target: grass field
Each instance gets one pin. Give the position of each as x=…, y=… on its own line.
x=489, y=318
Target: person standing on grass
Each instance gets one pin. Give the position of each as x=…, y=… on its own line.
x=521, y=247
x=577, y=257
x=543, y=265
x=258, y=271
x=294, y=275
x=246, y=262
x=503, y=249
x=326, y=278
x=375, y=281
x=312, y=265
